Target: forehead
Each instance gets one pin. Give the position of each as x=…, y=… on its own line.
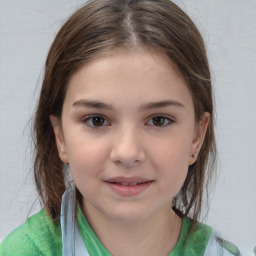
x=134, y=75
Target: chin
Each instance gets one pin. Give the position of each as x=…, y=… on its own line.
x=128, y=215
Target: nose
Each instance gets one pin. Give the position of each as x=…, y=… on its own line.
x=127, y=148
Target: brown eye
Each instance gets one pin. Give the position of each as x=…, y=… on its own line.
x=98, y=121
x=95, y=121
x=160, y=121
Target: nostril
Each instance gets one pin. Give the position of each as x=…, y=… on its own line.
x=127, y=151
x=127, y=163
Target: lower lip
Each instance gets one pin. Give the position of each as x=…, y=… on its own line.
x=124, y=190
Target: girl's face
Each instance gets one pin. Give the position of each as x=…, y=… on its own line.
x=129, y=134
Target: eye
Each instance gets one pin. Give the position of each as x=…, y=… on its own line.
x=160, y=121
x=95, y=121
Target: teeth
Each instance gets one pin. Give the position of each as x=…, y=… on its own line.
x=129, y=184
x=133, y=184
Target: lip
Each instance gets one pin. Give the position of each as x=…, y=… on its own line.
x=120, y=185
x=121, y=179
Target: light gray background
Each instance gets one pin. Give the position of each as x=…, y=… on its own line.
x=27, y=29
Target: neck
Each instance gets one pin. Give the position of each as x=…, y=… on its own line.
x=155, y=235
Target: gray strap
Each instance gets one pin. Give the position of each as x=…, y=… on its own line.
x=215, y=248
x=72, y=242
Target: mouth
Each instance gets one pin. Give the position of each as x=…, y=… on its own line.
x=129, y=184
x=132, y=186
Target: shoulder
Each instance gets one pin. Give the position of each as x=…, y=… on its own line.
x=197, y=238
x=204, y=240
x=39, y=235
x=221, y=247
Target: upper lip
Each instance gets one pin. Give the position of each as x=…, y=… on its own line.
x=135, y=179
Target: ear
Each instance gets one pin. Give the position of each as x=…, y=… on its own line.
x=199, y=136
x=59, y=138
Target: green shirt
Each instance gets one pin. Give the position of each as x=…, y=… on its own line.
x=40, y=235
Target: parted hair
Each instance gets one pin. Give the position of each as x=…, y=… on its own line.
x=102, y=26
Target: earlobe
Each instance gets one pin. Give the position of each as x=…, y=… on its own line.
x=199, y=136
x=59, y=138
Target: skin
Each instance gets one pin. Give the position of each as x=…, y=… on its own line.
x=129, y=142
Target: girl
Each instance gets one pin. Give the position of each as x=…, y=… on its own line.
x=126, y=109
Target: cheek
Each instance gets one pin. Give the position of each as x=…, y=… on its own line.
x=172, y=152
x=86, y=157
x=171, y=161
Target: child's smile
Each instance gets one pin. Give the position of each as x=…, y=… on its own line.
x=128, y=132
x=128, y=186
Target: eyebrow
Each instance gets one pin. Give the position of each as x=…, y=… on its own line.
x=92, y=104
x=160, y=104
x=148, y=106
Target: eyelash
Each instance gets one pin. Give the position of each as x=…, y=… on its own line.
x=167, y=121
x=90, y=119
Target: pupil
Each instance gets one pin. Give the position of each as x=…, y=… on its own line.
x=98, y=121
x=158, y=121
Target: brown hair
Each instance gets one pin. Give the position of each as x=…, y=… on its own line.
x=97, y=28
